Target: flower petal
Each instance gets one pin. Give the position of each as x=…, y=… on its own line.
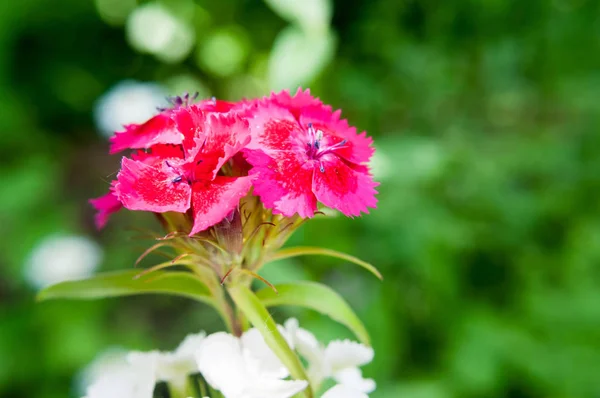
x=189, y=345
x=156, y=153
x=283, y=182
x=152, y=188
x=307, y=345
x=222, y=364
x=347, y=189
x=223, y=136
x=160, y=129
x=342, y=354
x=269, y=363
x=274, y=129
x=296, y=104
x=213, y=200
x=352, y=377
x=341, y=391
x=190, y=122
x=304, y=341
x=105, y=206
x=272, y=388
x=136, y=379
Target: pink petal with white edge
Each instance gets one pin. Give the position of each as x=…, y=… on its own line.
x=341, y=187
x=358, y=148
x=152, y=188
x=283, y=182
x=105, y=206
x=213, y=200
x=160, y=129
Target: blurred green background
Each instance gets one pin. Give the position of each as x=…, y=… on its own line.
x=486, y=118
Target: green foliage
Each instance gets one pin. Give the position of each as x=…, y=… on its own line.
x=485, y=116
x=317, y=297
x=126, y=283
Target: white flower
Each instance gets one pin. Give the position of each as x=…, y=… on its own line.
x=112, y=360
x=138, y=374
x=228, y=365
x=340, y=360
x=60, y=258
x=132, y=382
x=127, y=102
x=254, y=342
x=342, y=391
x=172, y=367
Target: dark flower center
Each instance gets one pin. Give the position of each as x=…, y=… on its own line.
x=314, y=148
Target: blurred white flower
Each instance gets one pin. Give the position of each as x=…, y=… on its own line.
x=298, y=57
x=60, y=258
x=153, y=28
x=127, y=102
x=228, y=365
x=242, y=367
x=135, y=375
x=311, y=15
x=130, y=382
x=113, y=360
x=340, y=360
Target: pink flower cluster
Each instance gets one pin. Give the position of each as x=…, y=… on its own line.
x=202, y=158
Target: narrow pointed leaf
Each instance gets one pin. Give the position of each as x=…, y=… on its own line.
x=307, y=251
x=317, y=297
x=260, y=318
x=126, y=283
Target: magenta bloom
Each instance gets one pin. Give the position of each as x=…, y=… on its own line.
x=177, y=178
x=188, y=159
x=302, y=152
x=162, y=129
x=105, y=206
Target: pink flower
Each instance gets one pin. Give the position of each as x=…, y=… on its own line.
x=162, y=129
x=302, y=152
x=179, y=177
x=105, y=206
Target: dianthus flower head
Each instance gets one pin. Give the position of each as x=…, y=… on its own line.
x=302, y=153
x=230, y=182
x=176, y=178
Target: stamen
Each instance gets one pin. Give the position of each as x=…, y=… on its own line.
x=321, y=167
x=177, y=179
x=319, y=135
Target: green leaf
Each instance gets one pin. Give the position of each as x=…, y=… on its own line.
x=306, y=251
x=318, y=297
x=126, y=283
x=260, y=318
